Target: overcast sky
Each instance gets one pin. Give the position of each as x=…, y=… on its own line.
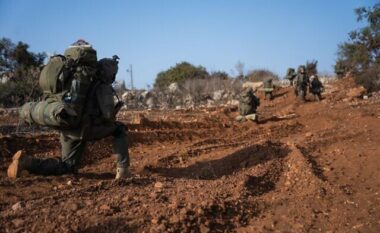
x=155, y=35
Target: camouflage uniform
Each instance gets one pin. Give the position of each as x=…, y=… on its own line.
x=99, y=122
x=291, y=75
x=80, y=82
x=302, y=83
x=268, y=88
x=316, y=87
x=248, y=104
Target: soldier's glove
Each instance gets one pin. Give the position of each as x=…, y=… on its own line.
x=118, y=106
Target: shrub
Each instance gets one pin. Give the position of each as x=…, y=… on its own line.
x=260, y=75
x=22, y=69
x=361, y=54
x=180, y=73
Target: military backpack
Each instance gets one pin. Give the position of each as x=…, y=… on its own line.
x=66, y=81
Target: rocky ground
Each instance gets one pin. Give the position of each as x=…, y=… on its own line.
x=306, y=167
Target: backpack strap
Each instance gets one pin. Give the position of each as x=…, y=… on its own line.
x=87, y=121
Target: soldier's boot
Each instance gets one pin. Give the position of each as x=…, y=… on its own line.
x=122, y=173
x=21, y=162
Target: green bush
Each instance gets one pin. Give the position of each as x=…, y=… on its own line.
x=180, y=73
x=361, y=54
x=22, y=69
x=260, y=75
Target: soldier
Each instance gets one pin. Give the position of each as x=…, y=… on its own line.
x=98, y=121
x=316, y=88
x=291, y=75
x=302, y=83
x=268, y=88
x=248, y=104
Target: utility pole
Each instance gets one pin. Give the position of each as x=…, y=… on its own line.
x=130, y=71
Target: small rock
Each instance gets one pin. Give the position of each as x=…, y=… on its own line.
x=200, y=211
x=174, y=219
x=69, y=182
x=154, y=221
x=81, y=212
x=158, y=185
x=17, y=206
x=161, y=228
x=309, y=134
x=45, y=210
x=183, y=212
x=74, y=207
x=101, y=184
x=105, y=207
x=88, y=202
x=18, y=222
x=203, y=229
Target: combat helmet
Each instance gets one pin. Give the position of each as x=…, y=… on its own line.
x=301, y=67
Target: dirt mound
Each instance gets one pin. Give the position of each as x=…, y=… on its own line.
x=345, y=89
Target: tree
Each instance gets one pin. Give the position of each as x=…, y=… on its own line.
x=260, y=75
x=360, y=55
x=22, y=67
x=311, y=67
x=240, y=68
x=219, y=75
x=179, y=73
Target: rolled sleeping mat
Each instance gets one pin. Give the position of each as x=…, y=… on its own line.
x=48, y=113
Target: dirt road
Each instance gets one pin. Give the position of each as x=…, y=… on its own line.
x=307, y=167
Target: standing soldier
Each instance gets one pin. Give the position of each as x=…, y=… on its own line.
x=90, y=99
x=316, y=88
x=291, y=75
x=302, y=83
x=248, y=104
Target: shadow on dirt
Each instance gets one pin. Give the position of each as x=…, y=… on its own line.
x=259, y=185
x=215, y=169
x=315, y=167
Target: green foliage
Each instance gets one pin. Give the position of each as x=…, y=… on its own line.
x=22, y=69
x=360, y=55
x=219, y=74
x=341, y=68
x=260, y=75
x=179, y=73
